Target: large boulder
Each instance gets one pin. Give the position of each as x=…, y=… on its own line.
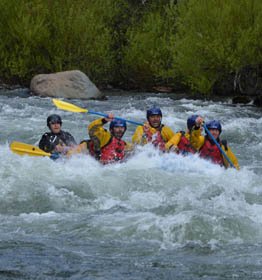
x=68, y=84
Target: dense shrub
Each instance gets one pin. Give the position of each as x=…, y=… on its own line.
x=147, y=59
x=48, y=36
x=138, y=43
x=215, y=37
x=23, y=33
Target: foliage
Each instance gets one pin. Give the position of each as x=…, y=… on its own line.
x=215, y=37
x=147, y=57
x=140, y=43
x=48, y=36
x=22, y=33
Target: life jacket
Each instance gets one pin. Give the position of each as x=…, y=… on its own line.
x=210, y=151
x=184, y=146
x=50, y=140
x=156, y=139
x=113, y=151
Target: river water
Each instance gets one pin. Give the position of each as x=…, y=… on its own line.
x=152, y=217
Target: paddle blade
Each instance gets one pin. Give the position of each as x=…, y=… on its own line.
x=26, y=149
x=68, y=106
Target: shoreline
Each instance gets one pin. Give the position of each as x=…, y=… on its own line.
x=242, y=100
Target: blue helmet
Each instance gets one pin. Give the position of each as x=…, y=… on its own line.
x=191, y=121
x=214, y=125
x=153, y=111
x=117, y=123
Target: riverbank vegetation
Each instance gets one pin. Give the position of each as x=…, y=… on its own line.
x=130, y=43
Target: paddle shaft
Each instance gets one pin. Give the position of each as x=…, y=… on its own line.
x=73, y=108
x=116, y=118
x=220, y=149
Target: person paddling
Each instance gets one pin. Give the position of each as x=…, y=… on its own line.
x=207, y=147
x=57, y=140
x=181, y=141
x=107, y=146
x=153, y=131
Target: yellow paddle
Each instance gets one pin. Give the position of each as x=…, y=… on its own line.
x=26, y=149
x=73, y=108
x=68, y=106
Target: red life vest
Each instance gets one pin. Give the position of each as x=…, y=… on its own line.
x=156, y=139
x=184, y=145
x=211, y=151
x=113, y=151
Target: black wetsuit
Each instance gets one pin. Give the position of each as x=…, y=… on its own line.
x=50, y=140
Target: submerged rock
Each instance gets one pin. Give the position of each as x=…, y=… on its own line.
x=241, y=99
x=68, y=84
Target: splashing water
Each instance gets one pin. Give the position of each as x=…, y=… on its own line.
x=155, y=216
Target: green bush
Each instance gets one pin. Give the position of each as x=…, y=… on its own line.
x=215, y=37
x=130, y=42
x=81, y=38
x=147, y=58
x=48, y=36
x=22, y=33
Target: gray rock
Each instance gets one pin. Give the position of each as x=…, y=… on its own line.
x=68, y=84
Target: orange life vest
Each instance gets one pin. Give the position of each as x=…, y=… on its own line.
x=210, y=151
x=113, y=151
x=156, y=139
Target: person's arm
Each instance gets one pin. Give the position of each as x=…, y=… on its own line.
x=78, y=149
x=173, y=142
x=97, y=131
x=42, y=142
x=196, y=139
x=232, y=158
x=167, y=134
x=139, y=138
x=97, y=124
x=129, y=147
x=70, y=140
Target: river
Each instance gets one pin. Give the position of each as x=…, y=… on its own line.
x=152, y=217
